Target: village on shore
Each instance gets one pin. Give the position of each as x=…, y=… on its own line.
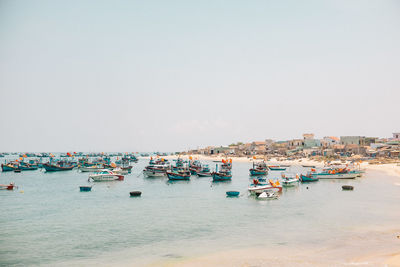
x=372, y=149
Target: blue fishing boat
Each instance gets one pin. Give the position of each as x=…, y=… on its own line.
x=178, y=175
x=308, y=178
x=57, y=167
x=259, y=169
x=223, y=175
x=27, y=167
x=9, y=167
x=276, y=168
x=232, y=193
x=204, y=172
x=85, y=188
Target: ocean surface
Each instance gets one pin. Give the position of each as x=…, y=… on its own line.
x=48, y=221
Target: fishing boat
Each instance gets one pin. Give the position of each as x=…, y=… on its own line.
x=204, y=172
x=232, y=193
x=106, y=175
x=194, y=167
x=290, y=180
x=121, y=171
x=257, y=187
x=308, y=178
x=93, y=168
x=85, y=188
x=276, y=168
x=10, y=186
x=178, y=175
x=156, y=170
x=259, y=169
x=221, y=176
x=57, y=167
x=335, y=174
x=9, y=167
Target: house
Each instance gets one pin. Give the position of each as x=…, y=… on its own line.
x=295, y=143
x=308, y=136
x=329, y=141
x=352, y=140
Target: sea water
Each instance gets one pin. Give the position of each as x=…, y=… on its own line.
x=48, y=221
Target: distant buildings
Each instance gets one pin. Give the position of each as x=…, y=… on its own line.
x=329, y=146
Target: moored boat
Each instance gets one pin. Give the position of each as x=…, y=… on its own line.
x=308, y=178
x=10, y=186
x=178, y=175
x=106, y=175
x=56, y=167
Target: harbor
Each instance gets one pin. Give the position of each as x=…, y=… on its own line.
x=187, y=212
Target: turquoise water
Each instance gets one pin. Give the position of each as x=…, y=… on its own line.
x=52, y=223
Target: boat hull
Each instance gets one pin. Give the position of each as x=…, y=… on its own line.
x=106, y=178
x=55, y=168
x=335, y=176
x=152, y=173
x=254, y=172
x=176, y=177
x=305, y=179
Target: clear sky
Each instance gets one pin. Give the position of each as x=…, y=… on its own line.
x=172, y=75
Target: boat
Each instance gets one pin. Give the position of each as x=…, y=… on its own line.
x=276, y=168
x=93, y=168
x=156, y=170
x=27, y=167
x=10, y=186
x=347, y=187
x=85, y=188
x=8, y=167
x=289, y=180
x=121, y=171
x=204, y=172
x=336, y=174
x=257, y=187
x=258, y=169
x=57, y=167
x=106, y=175
x=135, y=193
x=232, y=193
x=268, y=195
x=308, y=178
x=221, y=176
x=178, y=175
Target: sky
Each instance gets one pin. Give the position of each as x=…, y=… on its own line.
x=177, y=75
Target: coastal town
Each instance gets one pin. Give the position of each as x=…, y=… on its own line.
x=375, y=149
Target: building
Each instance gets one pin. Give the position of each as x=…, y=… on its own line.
x=352, y=140
x=308, y=136
x=396, y=136
x=295, y=143
x=329, y=141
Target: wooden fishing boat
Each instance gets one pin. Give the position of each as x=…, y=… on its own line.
x=53, y=167
x=256, y=187
x=93, y=168
x=308, y=178
x=178, y=175
x=276, y=168
x=204, y=172
x=135, y=193
x=105, y=176
x=9, y=167
x=221, y=176
x=232, y=193
x=85, y=188
x=10, y=186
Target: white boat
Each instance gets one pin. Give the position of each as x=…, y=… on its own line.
x=326, y=175
x=156, y=170
x=118, y=170
x=257, y=188
x=290, y=180
x=94, y=168
x=268, y=195
x=106, y=175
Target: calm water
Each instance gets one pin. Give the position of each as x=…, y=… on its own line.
x=52, y=223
